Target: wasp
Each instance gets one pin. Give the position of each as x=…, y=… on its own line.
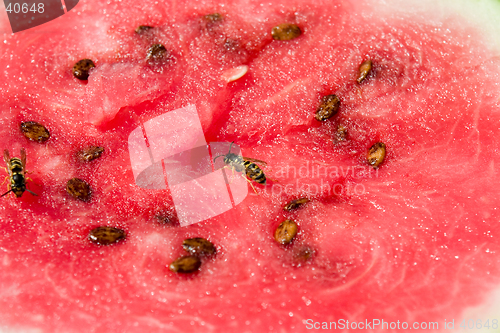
x=16, y=170
x=245, y=164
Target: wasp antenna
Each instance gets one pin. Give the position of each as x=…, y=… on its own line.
x=33, y=193
x=218, y=157
x=6, y=193
x=230, y=146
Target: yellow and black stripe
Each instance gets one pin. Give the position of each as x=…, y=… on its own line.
x=254, y=172
x=240, y=164
x=17, y=180
x=15, y=165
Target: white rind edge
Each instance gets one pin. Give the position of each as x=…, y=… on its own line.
x=482, y=15
x=484, y=312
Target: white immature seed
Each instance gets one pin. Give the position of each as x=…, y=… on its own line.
x=235, y=73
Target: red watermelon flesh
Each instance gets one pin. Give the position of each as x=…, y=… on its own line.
x=414, y=241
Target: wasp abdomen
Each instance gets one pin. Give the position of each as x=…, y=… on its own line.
x=15, y=168
x=16, y=165
x=255, y=173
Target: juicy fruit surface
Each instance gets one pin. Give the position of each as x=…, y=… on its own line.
x=415, y=240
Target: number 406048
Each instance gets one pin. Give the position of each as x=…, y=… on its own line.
x=478, y=324
x=25, y=8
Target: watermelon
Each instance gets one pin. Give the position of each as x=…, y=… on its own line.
x=377, y=123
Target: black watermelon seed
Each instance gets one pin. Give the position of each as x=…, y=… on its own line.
x=81, y=69
x=166, y=218
x=35, y=131
x=286, y=31
x=232, y=45
x=294, y=204
x=186, y=264
x=142, y=29
x=210, y=22
x=78, y=189
x=106, y=235
x=156, y=54
x=364, y=70
x=198, y=247
x=341, y=134
x=286, y=232
x=376, y=154
x=302, y=255
x=212, y=19
x=90, y=153
x=328, y=108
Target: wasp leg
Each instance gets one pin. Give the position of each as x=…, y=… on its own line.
x=10, y=190
x=250, y=182
x=269, y=170
x=225, y=167
x=233, y=177
x=5, y=180
x=28, y=178
x=31, y=180
x=33, y=193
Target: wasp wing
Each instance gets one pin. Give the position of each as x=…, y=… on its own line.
x=23, y=157
x=6, y=157
x=254, y=160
